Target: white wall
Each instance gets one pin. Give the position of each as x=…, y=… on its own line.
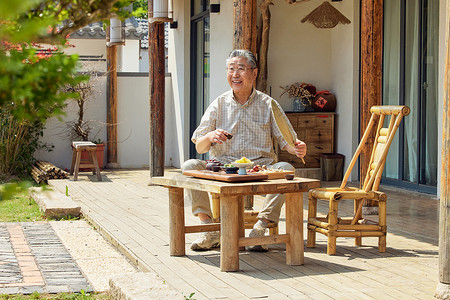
x=345, y=81
x=298, y=52
x=221, y=46
x=178, y=67
x=128, y=56
x=133, y=125
x=56, y=132
x=89, y=47
x=133, y=118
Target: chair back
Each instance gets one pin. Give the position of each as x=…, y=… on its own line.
x=382, y=142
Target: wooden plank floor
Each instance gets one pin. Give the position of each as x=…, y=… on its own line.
x=134, y=217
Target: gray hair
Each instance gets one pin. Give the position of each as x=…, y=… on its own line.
x=251, y=59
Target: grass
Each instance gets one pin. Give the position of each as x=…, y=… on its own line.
x=20, y=208
x=62, y=296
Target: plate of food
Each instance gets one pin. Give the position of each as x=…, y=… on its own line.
x=242, y=164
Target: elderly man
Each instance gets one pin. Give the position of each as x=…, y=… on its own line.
x=246, y=114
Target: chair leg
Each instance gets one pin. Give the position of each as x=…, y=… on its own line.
x=332, y=221
x=273, y=230
x=382, y=224
x=312, y=214
x=97, y=168
x=77, y=165
x=358, y=216
x=248, y=202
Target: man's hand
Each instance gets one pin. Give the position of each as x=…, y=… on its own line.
x=300, y=149
x=218, y=136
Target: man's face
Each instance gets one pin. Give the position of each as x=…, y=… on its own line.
x=240, y=75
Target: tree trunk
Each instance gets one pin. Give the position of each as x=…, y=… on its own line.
x=371, y=72
x=244, y=22
x=157, y=92
x=263, y=45
x=111, y=95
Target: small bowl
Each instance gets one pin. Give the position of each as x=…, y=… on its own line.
x=242, y=165
x=215, y=168
x=289, y=176
x=231, y=170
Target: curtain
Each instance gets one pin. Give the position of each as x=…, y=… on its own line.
x=391, y=75
x=431, y=93
x=411, y=89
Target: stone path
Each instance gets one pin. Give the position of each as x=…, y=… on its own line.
x=33, y=259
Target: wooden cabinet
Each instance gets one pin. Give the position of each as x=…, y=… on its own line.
x=317, y=131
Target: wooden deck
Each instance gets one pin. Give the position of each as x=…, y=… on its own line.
x=134, y=217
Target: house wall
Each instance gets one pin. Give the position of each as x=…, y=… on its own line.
x=87, y=47
x=345, y=81
x=133, y=121
x=133, y=115
x=178, y=67
x=56, y=132
x=298, y=52
x=90, y=47
x=128, y=56
x=221, y=37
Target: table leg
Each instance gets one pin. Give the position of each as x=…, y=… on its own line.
x=294, y=227
x=229, y=233
x=176, y=219
x=241, y=208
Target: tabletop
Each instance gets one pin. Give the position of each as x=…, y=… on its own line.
x=279, y=186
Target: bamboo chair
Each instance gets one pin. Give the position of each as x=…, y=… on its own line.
x=357, y=227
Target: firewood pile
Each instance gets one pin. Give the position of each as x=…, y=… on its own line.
x=42, y=171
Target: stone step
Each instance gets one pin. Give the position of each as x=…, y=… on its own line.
x=141, y=286
x=54, y=204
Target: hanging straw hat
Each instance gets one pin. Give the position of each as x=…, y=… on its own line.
x=325, y=16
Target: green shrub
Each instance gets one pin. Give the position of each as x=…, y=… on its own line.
x=30, y=89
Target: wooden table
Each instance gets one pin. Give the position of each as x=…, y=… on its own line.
x=231, y=225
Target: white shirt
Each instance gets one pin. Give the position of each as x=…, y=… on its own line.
x=251, y=124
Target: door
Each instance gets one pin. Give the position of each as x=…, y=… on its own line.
x=200, y=64
x=410, y=77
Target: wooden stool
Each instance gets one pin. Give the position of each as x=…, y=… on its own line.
x=250, y=215
x=78, y=148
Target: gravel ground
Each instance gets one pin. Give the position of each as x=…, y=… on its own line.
x=98, y=259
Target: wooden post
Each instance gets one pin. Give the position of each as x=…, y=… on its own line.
x=157, y=92
x=294, y=228
x=111, y=95
x=443, y=288
x=244, y=22
x=176, y=218
x=263, y=45
x=229, y=233
x=371, y=71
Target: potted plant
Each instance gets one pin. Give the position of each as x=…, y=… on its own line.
x=302, y=93
x=80, y=129
x=99, y=152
